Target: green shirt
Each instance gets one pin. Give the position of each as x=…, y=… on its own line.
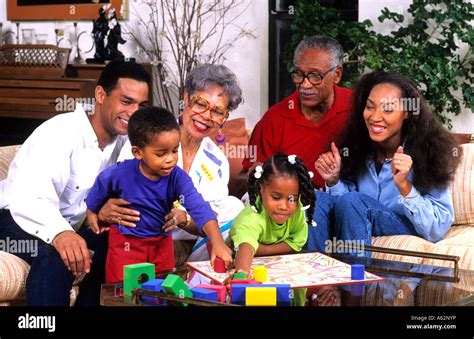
x=257, y=228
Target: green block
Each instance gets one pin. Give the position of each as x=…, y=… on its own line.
x=132, y=273
x=241, y=275
x=175, y=285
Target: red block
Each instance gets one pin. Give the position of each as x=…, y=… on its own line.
x=220, y=289
x=219, y=265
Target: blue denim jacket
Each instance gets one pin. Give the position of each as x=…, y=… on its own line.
x=431, y=214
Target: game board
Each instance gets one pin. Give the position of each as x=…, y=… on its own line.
x=298, y=270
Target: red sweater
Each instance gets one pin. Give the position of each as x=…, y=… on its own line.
x=285, y=129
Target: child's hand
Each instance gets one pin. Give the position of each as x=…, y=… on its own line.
x=329, y=165
x=223, y=252
x=230, y=275
x=176, y=217
x=93, y=221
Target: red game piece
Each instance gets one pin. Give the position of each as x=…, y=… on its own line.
x=219, y=265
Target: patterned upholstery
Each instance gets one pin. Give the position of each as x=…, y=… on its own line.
x=7, y=154
x=13, y=272
x=462, y=188
x=403, y=242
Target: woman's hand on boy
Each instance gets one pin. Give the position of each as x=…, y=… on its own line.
x=113, y=212
x=329, y=165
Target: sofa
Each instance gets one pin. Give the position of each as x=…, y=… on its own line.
x=458, y=241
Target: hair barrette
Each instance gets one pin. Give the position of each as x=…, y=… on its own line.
x=311, y=174
x=292, y=159
x=313, y=223
x=254, y=208
x=304, y=208
x=258, y=172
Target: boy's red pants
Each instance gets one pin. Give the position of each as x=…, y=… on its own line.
x=128, y=249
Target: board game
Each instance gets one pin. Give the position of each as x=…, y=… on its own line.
x=298, y=270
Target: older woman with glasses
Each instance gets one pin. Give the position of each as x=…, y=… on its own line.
x=211, y=92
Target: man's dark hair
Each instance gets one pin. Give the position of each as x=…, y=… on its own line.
x=148, y=122
x=120, y=68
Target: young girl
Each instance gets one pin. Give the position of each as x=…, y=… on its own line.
x=151, y=183
x=276, y=222
x=396, y=164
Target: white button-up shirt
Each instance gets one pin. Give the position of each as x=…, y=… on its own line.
x=52, y=173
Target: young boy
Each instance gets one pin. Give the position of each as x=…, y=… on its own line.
x=151, y=182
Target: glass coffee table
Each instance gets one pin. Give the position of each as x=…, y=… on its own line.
x=430, y=286
x=411, y=285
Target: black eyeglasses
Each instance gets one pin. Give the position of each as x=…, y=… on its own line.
x=313, y=78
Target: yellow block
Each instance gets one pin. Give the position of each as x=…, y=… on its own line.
x=260, y=296
x=260, y=273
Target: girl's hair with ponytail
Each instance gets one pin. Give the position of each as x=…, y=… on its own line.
x=282, y=164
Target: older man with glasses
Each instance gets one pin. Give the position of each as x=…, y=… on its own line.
x=306, y=122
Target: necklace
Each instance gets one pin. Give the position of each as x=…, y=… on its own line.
x=190, y=152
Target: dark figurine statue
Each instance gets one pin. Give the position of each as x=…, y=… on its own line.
x=114, y=38
x=101, y=27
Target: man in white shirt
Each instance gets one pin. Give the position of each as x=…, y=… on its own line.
x=43, y=198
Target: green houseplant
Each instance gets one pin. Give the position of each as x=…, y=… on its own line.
x=425, y=50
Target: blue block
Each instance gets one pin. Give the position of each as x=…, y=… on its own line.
x=357, y=272
x=283, y=293
x=202, y=293
x=153, y=285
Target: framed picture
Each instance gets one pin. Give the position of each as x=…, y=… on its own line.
x=37, y=10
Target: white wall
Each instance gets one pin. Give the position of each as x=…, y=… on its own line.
x=371, y=9
x=248, y=59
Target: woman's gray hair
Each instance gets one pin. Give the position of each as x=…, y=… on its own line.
x=205, y=76
x=330, y=45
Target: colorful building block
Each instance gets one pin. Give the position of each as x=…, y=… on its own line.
x=283, y=293
x=260, y=273
x=132, y=273
x=357, y=272
x=175, y=285
x=261, y=296
x=220, y=289
x=219, y=265
x=153, y=285
x=202, y=293
x=240, y=275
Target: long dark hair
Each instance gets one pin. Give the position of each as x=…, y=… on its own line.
x=433, y=149
x=280, y=165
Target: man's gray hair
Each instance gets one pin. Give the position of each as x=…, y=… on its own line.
x=325, y=43
x=205, y=76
